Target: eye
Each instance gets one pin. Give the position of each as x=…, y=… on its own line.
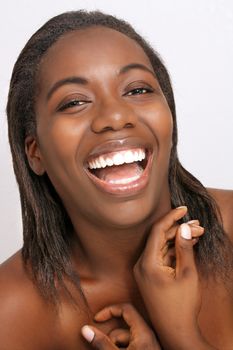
x=139, y=91
x=75, y=102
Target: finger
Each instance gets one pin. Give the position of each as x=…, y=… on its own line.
x=195, y=240
x=197, y=230
x=185, y=262
x=125, y=310
x=97, y=339
x=170, y=256
x=109, y=312
x=154, y=251
x=130, y=315
x=120, y=336
x=167, y=221
x=195, y=224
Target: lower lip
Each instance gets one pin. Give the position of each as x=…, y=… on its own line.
x=127, y=189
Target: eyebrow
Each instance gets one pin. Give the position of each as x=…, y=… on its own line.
x=130, y=66
x=66, y=81
x=83, y=81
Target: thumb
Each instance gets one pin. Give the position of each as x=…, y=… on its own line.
x=97, y=339
x=185, y=261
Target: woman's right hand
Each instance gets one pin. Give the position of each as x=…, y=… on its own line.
x=139, y=336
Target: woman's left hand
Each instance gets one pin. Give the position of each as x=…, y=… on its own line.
x=171, y=293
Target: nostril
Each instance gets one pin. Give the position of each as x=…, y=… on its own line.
x=128, y=125
x=107, y=128
x=112, y=123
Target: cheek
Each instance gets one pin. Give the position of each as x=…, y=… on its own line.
x=59, y=142
x=161, y=123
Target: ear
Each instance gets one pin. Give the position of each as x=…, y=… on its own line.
x=34, y=157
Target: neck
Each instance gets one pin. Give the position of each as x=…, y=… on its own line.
x=108, y=251
x=99, y=250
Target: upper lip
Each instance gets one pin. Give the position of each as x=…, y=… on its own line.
x=118, y=145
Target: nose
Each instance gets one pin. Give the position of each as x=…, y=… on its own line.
x=113, y=115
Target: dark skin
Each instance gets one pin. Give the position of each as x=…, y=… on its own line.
x=109, y=231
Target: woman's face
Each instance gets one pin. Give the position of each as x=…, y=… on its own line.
x=100, y=104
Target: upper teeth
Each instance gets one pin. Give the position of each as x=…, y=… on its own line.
x=117, y=158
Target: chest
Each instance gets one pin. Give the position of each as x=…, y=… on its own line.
x=215, y=318
x=98, y=296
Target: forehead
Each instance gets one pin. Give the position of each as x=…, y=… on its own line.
x=89, y=49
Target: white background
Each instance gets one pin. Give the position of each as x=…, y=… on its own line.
x=195, y=38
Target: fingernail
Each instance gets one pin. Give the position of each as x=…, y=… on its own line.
x=182, y=207
x=198, y=226
x=88, y=333
x=192, y=222
x=186, y=232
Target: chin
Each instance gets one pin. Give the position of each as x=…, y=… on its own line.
x=130, y=213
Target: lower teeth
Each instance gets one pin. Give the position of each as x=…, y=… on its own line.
x=123, y=181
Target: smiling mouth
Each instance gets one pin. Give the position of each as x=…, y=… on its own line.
x=120, y=172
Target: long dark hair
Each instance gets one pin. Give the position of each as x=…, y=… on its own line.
x=46, y=225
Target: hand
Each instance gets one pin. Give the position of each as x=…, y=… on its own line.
x=138, y=337
x=171, y=290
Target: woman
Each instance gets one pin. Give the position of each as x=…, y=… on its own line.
x=110, y=217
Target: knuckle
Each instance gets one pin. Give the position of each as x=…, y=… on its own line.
x=159, y=226
x=187, y=246
x=186, y=272
x=100, y=341
x=127, y=307
x=189, y=272
x=150, y=336
x=140, y=268
x=148, y=269
x=137, y=269
x=145, y=343
x=144, y=267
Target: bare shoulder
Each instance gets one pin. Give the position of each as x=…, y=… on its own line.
x=25, y=319
x=28, y=321
x=224, y=199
